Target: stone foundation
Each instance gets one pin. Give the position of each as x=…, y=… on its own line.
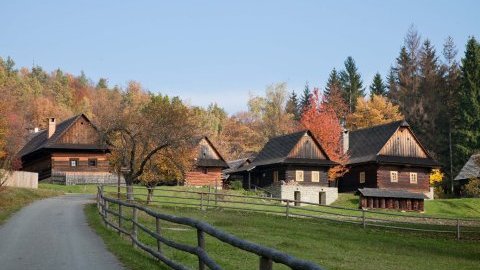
x=77, y=178
x=308, y=193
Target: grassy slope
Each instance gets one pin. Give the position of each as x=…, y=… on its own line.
x=332, y=245
x=13, y=199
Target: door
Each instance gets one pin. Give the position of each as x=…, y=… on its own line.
x=322, y=198
x=296, y=196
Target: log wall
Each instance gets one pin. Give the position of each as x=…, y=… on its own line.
x=197, y=177
x=403, y=144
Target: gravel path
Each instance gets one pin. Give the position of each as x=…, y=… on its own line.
x=53, y=234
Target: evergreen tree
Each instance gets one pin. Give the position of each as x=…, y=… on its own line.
x=352, y=85
x=305, y=99
x=392, y=86
x=466, y=134
x=333, y=84
x=102, y=83
x=378, y=87
x=333, y=95
x=292, y=106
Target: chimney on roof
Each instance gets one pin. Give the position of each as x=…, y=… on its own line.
x=36, y=130
x=345, y=140
x=51, y=126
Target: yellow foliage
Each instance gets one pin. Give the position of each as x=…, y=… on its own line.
x=436, y=176
x=376, y=111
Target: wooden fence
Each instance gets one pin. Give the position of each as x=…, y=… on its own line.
x=460, y=228
x=266, y=255
x=20, y=179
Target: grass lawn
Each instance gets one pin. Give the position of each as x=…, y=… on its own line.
x=91, y=189
x=13, y=199
x=331, y=245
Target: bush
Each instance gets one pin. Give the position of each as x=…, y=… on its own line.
x=472, y=188
x=236, y=185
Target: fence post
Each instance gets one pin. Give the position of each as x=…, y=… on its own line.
x=119, y=219
x=458, y=229
x=159, y=232
x=266, y=263
x=363, y=219
x=105, y=214
x=287, y=209
x=208, y=196
x=134, y=226
x=216, y=196
x=201, y=245
x=201, y=201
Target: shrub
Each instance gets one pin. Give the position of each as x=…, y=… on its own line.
x=472, y=188
x=236, y=185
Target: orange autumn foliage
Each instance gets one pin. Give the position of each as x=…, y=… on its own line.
x=321, y=119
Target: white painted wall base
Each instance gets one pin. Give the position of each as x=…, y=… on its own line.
x=308, y=193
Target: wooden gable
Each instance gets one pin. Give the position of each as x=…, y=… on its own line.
x=307, y=147
x=207, y=151
x=403, y=143
x=81, y=131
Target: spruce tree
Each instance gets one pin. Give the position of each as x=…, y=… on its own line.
x=466, y=134
x=305, y=100
x=378, y=87
x=333, y=84
x=292, y=106
x=352, y=85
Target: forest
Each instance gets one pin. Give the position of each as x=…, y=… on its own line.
x=435, y=89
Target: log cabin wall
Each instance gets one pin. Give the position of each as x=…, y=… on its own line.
x=61, y=162
x=199, y=177
x=41, y=165
x=290, y=174
x=403, y=144
x=351, y=180
x=306, y=148
x=423, y=178
x=81, y=132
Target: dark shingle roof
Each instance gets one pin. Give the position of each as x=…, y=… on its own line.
x=40, y=140
x=471, y=169
x=391, y=193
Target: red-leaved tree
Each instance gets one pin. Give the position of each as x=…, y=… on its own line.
x=321, y=119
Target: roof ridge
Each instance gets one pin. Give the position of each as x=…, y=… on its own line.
x=380, y=125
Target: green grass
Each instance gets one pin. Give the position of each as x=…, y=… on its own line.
x=13, y=199
x=331, y=245
x=90, y=189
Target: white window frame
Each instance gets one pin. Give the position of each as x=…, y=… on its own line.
x=316, y=176
x=413, y=178
x=299, y=175
x=394, y=176
x=275, y=176
x=361, y=177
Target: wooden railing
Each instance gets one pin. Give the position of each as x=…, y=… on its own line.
x=267, y=256
x=458, y=227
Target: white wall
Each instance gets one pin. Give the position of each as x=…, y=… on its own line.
x=22, y=179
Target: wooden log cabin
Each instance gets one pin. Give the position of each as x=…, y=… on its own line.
x=389, y=158
x=70, y=152
x=292, y=166
x=209, y=164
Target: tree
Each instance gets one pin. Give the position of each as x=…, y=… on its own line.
x=376, y=111
x=352, y=85
x=320, y=118
x=292, y=106
x=466, y=134
x=305, y=99
x=102, y=83
x=378, y=87
x=333, y=95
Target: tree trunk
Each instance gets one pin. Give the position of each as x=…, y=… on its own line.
x=149, y=194
x=130, y=196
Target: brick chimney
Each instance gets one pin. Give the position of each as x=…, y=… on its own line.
x=51, y=126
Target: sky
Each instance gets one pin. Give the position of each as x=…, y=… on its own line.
x=223, y=51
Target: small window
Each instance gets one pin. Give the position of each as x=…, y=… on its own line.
x=315, y=176
x=393, y=176
x=205, y=170
x=362, y=177
x=299, y=176
x=92, y=162
x=413, y=178
x=74, y=162
x=275, y=176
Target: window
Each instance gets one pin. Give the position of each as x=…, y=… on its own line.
x=205, y=170
x=315, y=176
x=393, y=176
x=92, y=162
x=73, y=162
x=275, y=176
x=362, y=177
x=299, y=176
x=413, y=178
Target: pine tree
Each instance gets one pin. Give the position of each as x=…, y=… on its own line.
x=378, y=87
x=292, y=106
x=102, y=83
x=333, y=84
x=392, y=86
x=466, y=134
x=352, y=85
x=333, y=95
x=305, y=99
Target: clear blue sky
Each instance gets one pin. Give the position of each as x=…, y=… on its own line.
x=220, y=51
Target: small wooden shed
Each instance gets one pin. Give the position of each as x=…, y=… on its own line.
x=391, y=199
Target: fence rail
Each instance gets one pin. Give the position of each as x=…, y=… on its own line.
x=467, y=228
x=267, y=256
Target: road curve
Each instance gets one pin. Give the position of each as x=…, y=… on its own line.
x=53, y=234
